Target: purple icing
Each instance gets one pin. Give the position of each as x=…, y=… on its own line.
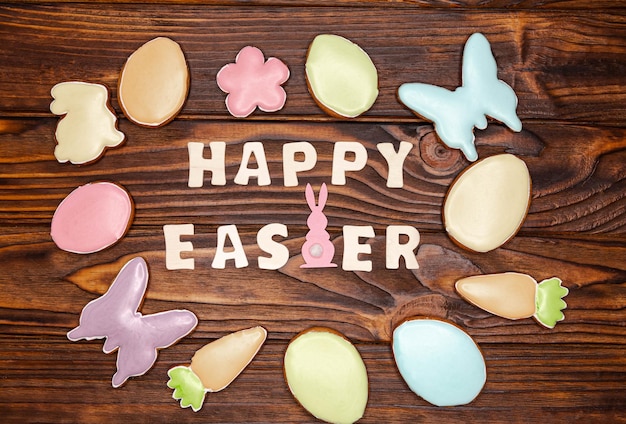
x=114, y=316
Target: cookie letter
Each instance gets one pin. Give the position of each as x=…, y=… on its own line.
x=341, y=165
x=173, y=246
x=237, y=253
x=291, y=166
x=261, y=172
x=279, y=253
x=198, y=164
x=352, y=248
x=395, y=161
x=394, y=249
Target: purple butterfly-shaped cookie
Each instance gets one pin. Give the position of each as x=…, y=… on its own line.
x=114, y=317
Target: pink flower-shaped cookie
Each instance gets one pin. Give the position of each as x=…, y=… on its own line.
x=251, y=81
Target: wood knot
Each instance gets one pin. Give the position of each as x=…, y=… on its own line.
x=438, y=159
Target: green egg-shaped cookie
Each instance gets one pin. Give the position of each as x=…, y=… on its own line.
x=341, y=76
x=326, y=374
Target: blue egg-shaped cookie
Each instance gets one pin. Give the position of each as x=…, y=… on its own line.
x=440, y=362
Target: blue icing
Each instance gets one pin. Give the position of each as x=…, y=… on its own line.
x=456, y=113
x=439, y=362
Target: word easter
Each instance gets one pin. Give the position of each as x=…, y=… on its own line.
x=279, y=253
x=401, y=240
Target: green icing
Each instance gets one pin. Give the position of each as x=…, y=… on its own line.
x=549, y=302
x=187, y=387
x=341, y=75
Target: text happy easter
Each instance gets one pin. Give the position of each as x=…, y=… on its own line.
x=207, y=165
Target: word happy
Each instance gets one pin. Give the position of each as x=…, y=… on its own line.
x=401, y=240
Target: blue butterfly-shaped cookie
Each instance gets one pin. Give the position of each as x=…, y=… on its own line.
x=456, y=113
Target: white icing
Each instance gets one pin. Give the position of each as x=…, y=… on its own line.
x=316, y=250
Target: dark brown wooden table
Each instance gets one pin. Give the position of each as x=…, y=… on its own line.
x=566, y=61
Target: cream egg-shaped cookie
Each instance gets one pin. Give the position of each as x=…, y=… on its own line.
x=154, y=83
x=488, y=202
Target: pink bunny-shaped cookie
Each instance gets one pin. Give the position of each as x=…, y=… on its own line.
x=317, y=250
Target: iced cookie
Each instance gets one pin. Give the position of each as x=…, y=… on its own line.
x=514, y=296
x=341, y=76
x=154, y=83
x=253, y=82
x=137, y=338
x=215, y=366
x=456, y=113
x=92, y=217
x=439, y=362
x=87, y=126
x=488, y=202
x=326, y=374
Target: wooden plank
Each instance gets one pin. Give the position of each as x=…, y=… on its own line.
x=577, y=172
x=439, y=4
x=567, y=63
x=48, y=292
x=562, y=65
x=551, y=376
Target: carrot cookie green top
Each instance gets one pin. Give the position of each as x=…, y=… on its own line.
x=215, y=366
x=514, y=296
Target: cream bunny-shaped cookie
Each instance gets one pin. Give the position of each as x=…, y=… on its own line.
x=317, y=250
x=88, y=126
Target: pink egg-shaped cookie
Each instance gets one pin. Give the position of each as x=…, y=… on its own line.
x=92, y=217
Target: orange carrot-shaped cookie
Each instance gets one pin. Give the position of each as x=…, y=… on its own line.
x=215, y=366
x=514, y=296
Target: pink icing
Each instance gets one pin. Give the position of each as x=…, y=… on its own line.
x=91, y=218
x=251, y=81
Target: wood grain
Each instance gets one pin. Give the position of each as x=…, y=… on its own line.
x=581, y=191
x=568, y=66
x=447, y=4
x=567, y=63
x=543, y=381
